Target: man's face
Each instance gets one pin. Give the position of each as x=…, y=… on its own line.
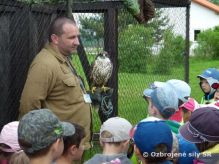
x=68, y=42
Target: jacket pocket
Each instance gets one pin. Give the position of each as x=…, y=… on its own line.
x=70, y=82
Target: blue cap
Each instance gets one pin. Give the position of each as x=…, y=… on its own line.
x=210, y=73
x=165, y=99
x=148, y=91
x=150, y=134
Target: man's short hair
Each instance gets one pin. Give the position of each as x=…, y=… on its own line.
x=56, y=26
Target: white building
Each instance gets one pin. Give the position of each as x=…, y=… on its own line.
x=203, y=15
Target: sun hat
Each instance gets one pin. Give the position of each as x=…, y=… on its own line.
x=9, y=137
x=40, y=128
x=118, y=127
x=202, y=126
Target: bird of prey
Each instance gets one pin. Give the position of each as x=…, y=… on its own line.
x=101, y=71
x=142, y=10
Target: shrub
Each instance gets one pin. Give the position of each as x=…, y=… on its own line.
x=171, y=53
x=208, y=44
x=135, y=44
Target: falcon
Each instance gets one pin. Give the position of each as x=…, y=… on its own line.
x=101, y=71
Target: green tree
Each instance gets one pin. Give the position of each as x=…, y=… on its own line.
x=135, y=44
x=171, y=53
x=208, y=44
x=92, y=30
x=215, y=1
x=160, y=23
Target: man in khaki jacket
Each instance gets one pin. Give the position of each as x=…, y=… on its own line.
x=52, y=81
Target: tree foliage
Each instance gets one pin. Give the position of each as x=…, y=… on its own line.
x=135, y=44
x=91, y=29
x=171, y=53
x=208, y=44
x=215, y=1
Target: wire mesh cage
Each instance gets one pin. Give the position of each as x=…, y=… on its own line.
x=141, y=53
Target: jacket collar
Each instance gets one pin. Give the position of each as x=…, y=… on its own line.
x=55, y=52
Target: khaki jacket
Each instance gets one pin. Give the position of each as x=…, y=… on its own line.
x=51, y=84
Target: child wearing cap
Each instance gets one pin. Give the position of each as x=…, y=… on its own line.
x=207, y=78
x=40, y=135
x=187, y=109
x=9, y=141
x=73, y=150
x=202, y=129
x=114, y=138
x=19, y=158
x=153, y=146
x=182, y=90
x=164, y=103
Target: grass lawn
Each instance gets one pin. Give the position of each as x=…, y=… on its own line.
x=131, y=104
x=131, y=86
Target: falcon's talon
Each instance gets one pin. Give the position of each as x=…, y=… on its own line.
x=93, y=89
x=104, y=89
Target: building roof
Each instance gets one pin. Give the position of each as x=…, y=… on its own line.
x=208, y=5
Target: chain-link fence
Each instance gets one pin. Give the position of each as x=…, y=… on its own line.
x=141, y=54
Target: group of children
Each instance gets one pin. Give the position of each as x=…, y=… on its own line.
x=40, y=137
x=177, y=130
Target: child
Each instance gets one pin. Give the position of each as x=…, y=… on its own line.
x=73, y=150
x=40, y=135
x=164, y=103
x=202, y=129
x=114, y=138
x=19, y=158
x=207, y=78
x=182, y=90
x=9, y=141
x=187, y=109
x=149, y=142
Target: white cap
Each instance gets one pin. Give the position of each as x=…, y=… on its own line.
x=182, y=89
x=118, y=127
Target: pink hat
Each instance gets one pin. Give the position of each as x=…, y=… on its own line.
x=9, y=137
x=190, y=105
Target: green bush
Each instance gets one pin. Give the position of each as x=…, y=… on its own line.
x=208, y=44
x=135, y=44
x=171, y=53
